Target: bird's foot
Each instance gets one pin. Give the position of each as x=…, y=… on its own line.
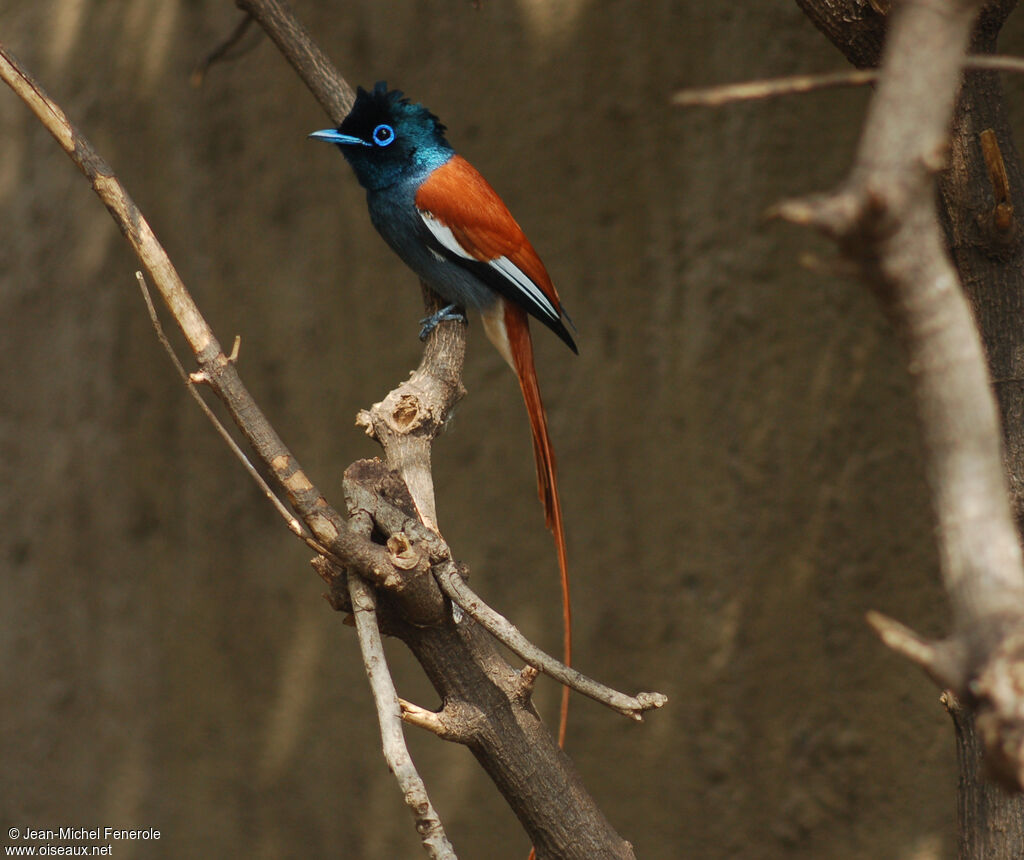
x=449, y=312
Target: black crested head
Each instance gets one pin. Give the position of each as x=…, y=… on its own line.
x=381, y=105
x=389, y=138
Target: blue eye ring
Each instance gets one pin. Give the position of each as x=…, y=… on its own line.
x=383, y=134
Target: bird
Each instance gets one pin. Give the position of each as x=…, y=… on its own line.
x=445, y=221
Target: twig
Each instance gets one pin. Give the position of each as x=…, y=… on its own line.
x=508, y=634
x=389, y=714
x=797, y=84
x=221, y=51
x=293, y=41
x=771, y=88
x=943, y=661
x=325, y=524
x=294, y=524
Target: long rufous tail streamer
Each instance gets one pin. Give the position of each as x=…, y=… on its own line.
x=517, y=331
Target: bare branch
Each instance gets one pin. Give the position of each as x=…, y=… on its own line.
x=328, y=527
x=368, y=486
x=508, y=634
x=312, y=66
x=294, y=525
x=408, y=420
x=885, y=221
x=222, y=51
x=768, y=88
x=771, y=88
x=389, y=714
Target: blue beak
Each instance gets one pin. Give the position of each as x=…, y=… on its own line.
x=329, y=135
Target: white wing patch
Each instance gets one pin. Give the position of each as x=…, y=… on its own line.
x=443, y=234
x=509, y=270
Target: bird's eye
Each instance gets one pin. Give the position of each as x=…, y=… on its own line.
x=383, y=134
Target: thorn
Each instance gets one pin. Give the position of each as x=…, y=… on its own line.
x=234, y=349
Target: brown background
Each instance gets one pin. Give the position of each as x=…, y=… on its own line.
x=739, y=462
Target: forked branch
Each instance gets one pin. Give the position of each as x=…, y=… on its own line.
x=489, y=698
x=885, y=221
x=323, y=525
x=370, y=488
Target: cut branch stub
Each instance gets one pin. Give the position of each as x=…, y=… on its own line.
x=857, y=216
x=370, y=486
x=412, y=415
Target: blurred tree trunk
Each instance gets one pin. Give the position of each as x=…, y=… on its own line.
x=981, y=194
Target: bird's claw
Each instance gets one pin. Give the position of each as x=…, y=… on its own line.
x=448, y=312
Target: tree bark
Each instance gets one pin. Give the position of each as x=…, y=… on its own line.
x=980, y=195
x=990, y=821
x=487, y=707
